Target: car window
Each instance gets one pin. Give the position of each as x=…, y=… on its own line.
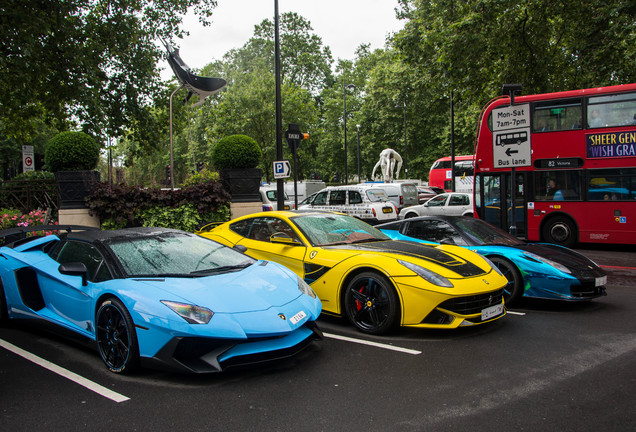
x=355, y=197
x=74, y=251
x=434, y=230
x=437, y=201
x=321, y=198
x=375, y=195
x=242, y=227
x=458, y=200
x=337, y=197
x=262, y=228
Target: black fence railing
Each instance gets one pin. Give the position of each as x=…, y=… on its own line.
x=29, y=195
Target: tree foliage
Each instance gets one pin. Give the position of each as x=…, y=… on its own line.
x=86, y=61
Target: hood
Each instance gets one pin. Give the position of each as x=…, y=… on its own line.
x=430, y=253
x=256, y=288
x=569, y=258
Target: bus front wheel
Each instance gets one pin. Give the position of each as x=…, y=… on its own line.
x=560, y=230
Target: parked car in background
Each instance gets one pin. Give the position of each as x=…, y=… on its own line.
x=157, y=297
x=424, y=193
x=538, y=270
x=402, y=194
x=366, y=203
x=269, y=197
x=359, y=273
x=449, y=204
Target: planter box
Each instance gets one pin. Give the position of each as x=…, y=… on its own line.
x=74, y=186
x=242, y=184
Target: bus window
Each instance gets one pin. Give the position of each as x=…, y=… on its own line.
x=557, y=185
x=612, y=185
x=611, y=110
x=557, y=115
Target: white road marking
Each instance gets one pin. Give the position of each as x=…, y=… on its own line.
x=370, y=343
x=102, y=391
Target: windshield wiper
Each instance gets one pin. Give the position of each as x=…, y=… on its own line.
x=368, y=240
x=221, y=269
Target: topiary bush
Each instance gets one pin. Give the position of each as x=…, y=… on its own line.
x=71, y=151
x=236, y=152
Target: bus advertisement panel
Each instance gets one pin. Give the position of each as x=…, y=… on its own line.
x=573, y=158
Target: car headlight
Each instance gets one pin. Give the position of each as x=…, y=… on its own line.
x=191, y=313
x=305, y=288
x=493, y=265
x=549, y=262
x=428, y=275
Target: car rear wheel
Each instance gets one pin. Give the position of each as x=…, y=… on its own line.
x=116, y=337
x=513, y=290
x=371, y=303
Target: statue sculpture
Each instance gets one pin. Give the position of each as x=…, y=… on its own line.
x=389, y=158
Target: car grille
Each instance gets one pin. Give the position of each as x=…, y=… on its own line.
x=470, y=305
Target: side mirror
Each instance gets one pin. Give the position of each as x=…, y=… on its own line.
x=282, y=238
x=75, y=269
x=240, y=248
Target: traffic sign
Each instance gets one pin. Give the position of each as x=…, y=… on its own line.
x=511, y=146
x=282, y=169
x=27, y=158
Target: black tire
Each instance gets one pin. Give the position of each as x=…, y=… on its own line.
x=560, y=230
x=4, y=311
x=371, y=304
x=410, y=215
x=116, y=337
x=513, y=290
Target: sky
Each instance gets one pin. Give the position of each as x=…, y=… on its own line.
x=342, y=24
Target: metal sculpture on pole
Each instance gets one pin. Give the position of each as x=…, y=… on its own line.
x=196, y=85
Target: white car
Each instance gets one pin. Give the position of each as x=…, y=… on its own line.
x=269, y=196
x=447, y=204
x=371, y=205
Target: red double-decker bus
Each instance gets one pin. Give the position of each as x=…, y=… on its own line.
x=566, y=163
x=440, y=174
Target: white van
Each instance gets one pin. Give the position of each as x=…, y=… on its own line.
x=269, y=197
x=368, y=204
x=402, y=194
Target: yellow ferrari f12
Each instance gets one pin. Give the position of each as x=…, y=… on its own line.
x=378, y=283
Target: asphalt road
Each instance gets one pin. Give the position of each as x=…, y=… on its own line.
x=547, y=366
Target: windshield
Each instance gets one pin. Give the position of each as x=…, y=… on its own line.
x=176, y=254
x=332, y=229
x=376, y=195
x=483, y=233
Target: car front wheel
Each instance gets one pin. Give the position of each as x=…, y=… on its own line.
x=371, y=303
x=513, y=290
x=116, y=337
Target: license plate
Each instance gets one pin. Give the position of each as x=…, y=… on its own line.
x=491, y=311
x=286, y=207
x=600, y=281
x=387, y=209
x=296, y=318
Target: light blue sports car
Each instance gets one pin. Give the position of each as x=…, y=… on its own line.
x=158, y=297
x=539, y=270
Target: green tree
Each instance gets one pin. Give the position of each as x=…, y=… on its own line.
x=86, y=61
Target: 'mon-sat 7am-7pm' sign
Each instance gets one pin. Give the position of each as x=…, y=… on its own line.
x=611, y=144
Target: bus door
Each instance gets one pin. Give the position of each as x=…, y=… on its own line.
x=494, y=200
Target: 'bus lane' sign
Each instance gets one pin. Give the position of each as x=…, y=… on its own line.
x=511, y=136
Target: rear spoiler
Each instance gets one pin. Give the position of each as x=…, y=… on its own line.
x=14, y=236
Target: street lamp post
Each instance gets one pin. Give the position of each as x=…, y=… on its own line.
x=358, y=131
x=406, y=166
x=344, y=100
